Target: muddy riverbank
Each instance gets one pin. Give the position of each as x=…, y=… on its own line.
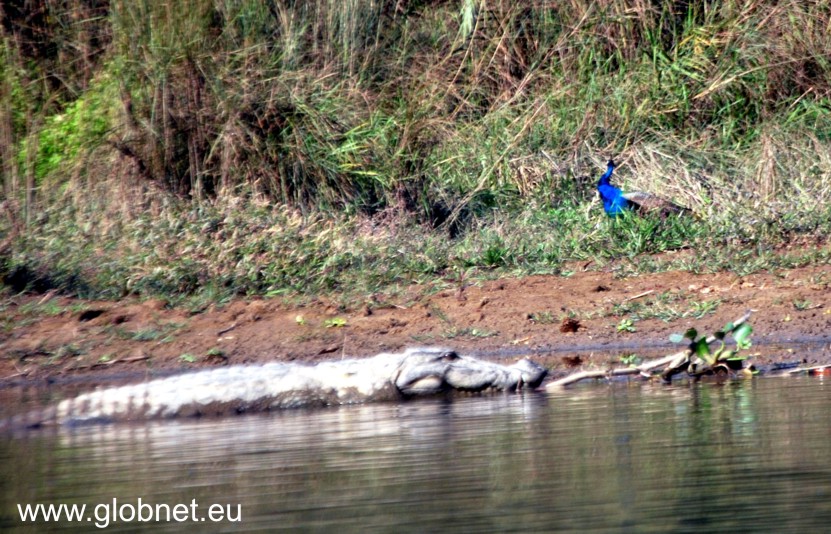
x=592, y=315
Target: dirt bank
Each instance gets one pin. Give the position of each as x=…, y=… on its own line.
x=591, y=314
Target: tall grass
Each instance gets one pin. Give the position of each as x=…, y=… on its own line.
x=486, y=121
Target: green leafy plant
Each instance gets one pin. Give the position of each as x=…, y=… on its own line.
x=706, y=359
x=630, y=359
x=626, y=325
x=335, y=322
x=803, y=305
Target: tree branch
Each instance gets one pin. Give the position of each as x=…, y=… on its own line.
x=675, y=363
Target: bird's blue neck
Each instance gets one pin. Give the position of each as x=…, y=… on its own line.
x=604, y=180
x=614, y=203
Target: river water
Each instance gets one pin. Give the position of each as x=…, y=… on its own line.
x=751, y=455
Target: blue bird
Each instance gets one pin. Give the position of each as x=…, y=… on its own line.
x=616, y=201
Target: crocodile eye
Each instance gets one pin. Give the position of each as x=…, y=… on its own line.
x=449, y=356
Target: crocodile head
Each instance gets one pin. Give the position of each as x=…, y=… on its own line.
x=433, y=370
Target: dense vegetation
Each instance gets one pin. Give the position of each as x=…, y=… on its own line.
x=222, y=147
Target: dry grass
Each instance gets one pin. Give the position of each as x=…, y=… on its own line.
x=484, y=121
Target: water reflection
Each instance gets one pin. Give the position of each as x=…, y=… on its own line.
x=743, y=455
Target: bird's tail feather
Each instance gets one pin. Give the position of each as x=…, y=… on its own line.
x=650, y=203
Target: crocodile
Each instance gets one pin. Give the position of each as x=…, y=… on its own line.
x=415, y=372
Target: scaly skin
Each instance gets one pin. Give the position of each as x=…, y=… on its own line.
x=237, y=389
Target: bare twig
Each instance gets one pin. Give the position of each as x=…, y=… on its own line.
x=644, y=368
x=226, y=329
x=48, y=296
x=639, y=295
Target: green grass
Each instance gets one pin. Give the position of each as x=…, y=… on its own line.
x=162, y=333
x=456, y=332
x=665, y=306
x=274, y=251
x=355, y=149
x=543, y=317
x=49, y=307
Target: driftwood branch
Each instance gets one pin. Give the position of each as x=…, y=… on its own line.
x=675, y=363
x=817, y=369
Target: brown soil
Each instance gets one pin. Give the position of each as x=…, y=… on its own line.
x=561, y=321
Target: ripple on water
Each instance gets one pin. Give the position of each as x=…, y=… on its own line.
x=749, y=455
